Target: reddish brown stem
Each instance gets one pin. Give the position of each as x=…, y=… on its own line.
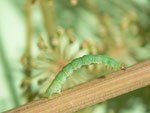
x=92, y=92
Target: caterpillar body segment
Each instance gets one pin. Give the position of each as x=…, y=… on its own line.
x=66, y=72
x=77, y=63
x=56, y=84
x=68, y=69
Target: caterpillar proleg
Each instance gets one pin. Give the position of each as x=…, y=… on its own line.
x=66, y=72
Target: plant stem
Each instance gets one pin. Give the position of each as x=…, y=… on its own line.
x=28, y=45
x=108, y=40
x=92, y=92
x=48, y=17
x=8, y=75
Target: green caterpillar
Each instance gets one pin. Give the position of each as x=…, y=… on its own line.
x=65, y=73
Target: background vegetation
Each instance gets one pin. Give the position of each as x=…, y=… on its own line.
x=38, y=37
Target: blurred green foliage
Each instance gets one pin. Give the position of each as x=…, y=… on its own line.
x=45, y=35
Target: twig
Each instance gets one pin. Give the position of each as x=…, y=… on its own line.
x=92, y=92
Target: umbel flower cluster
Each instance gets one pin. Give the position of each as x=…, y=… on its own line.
x=118, y=29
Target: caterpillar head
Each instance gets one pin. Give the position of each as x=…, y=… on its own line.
x=123, y=67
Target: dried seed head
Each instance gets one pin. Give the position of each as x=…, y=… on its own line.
x=23, y=60
x=41, y=45
x=34, y=65
x=124, y=23
x=72, y=39
x=24, y=82
x=86, y=43
x=59, y=31
x=22, y=85
x=100, y=48
x=41, y=81
x=69, y=32
x=55, y=41
x=94, y=50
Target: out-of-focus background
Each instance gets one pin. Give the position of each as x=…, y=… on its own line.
x=38, y=37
